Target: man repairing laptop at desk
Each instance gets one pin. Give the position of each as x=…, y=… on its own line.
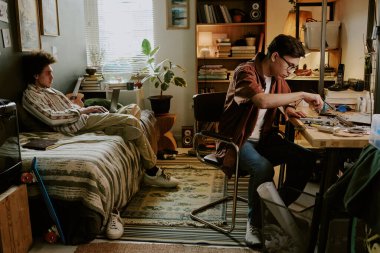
x=258, y=88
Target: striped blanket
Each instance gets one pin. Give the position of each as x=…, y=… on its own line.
x=99, y=170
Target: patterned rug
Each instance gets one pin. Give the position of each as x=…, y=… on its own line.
x=171, y=207
x=155, y=247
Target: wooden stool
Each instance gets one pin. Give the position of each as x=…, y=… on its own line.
x=165, y=123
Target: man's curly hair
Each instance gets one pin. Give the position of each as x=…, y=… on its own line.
x=34, y=63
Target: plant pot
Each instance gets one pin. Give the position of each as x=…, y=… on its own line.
x=160, y=104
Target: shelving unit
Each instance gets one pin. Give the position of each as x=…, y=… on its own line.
x=334, y=55
x=235, y=31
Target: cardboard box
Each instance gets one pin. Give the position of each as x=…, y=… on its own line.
x=312, y=32
x=15, y=229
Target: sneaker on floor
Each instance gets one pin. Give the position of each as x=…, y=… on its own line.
x=161, y=180
x=115, y=226
x=253, y=236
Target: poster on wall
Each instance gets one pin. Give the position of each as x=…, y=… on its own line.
x=28, y=25
x=6, y=38
x=177, y=14
x=3, y=11
x=49, y=17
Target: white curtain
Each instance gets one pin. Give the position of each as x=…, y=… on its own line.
x=114, y=32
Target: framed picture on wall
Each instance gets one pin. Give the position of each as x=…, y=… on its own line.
x=177, y=14
x=6, y=37
x=49, y=17
x=28, y=24
x=3, y=11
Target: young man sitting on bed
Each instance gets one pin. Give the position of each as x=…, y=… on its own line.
x=54, y=109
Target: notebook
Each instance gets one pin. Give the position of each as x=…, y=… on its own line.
x=39, y=144
x=114, y=100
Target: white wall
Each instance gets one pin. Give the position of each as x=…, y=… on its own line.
x=179, y=46
x=353, y=15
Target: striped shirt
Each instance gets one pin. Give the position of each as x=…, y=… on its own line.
x=53, y=108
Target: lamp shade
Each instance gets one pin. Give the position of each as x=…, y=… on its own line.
x=290, y=23
x=205, y=39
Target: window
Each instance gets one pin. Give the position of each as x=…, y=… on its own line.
x=114, y=32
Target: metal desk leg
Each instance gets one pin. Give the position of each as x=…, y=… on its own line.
x=328, y=178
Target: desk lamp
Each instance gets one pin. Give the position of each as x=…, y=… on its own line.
x=204, y=43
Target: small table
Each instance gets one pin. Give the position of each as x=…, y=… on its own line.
x=165, y=123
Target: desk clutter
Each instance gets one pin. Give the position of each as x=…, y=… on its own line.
x=361, y=101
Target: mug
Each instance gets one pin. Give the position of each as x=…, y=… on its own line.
x=130, y=85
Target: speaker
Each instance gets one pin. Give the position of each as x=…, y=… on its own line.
x=187, y=136
x=257, y=11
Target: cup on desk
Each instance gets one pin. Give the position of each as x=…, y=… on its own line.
x=130, y=85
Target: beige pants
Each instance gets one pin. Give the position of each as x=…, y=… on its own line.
x=125, y=125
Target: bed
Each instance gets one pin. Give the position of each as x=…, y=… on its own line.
x=86, y=175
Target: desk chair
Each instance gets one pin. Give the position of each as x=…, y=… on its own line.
x=208, y=108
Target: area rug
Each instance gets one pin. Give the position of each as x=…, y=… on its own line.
x=171, y=207
x=156, y=248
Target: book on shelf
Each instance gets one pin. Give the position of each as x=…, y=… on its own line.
x=213, y=13
x=90, y=85
x=211, y=66
x=243, y=55
x=243, y=48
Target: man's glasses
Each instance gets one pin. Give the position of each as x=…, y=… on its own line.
x=291, y=67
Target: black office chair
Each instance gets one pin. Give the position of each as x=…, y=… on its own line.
x=208, y=108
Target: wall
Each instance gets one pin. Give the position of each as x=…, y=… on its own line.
x=70, y=47
x=178, y=46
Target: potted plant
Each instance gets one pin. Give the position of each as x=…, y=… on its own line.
x=162, y=76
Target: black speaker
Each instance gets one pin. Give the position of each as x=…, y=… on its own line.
x=257, y=11
x=187, y=136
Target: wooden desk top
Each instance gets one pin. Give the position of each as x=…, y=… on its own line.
x=319, y=139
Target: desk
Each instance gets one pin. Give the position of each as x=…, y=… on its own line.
x=334, y=149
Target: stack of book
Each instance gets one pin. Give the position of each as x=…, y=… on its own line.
x=223, y=47
x=91, y=82
x=212, y=72
x=116, y=85
x=243, y=51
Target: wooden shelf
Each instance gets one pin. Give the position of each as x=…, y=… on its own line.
x=235, y=32
x=225, y=58
x=230, y=24
x=213, y=81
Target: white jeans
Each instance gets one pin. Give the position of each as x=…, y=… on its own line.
x=126, y=126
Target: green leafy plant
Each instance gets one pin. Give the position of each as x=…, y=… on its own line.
x=161, y=74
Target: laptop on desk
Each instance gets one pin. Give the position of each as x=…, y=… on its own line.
x=359, y=118
x=114, y=100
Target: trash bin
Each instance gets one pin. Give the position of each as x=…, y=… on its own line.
x=287, y=229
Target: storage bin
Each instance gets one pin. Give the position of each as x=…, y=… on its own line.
x=287, y=229
x=312, y=32
x=374, y=137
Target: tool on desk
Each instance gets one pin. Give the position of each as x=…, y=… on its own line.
x=328, y=129
x=341, y=119
x=317, y=121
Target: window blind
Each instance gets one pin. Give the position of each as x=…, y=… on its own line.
x=114, y=32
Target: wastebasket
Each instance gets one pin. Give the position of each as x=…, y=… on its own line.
x=287, y=229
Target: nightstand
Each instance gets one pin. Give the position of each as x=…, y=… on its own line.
x=15, y=229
